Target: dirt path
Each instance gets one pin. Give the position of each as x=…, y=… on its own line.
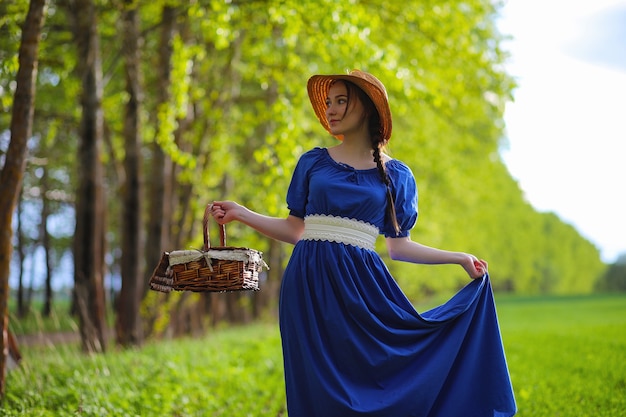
x=49, y=339
x=54, y=338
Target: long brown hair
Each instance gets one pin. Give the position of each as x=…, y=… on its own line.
x=378, y=145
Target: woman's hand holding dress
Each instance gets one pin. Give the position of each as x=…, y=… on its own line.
x=404, y=249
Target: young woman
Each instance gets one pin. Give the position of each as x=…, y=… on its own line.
x=353, y=344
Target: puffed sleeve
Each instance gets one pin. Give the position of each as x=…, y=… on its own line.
x=298, y=191
x=404, y=190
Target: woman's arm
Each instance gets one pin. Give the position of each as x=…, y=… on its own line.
x=286, y=230
x=404, y=249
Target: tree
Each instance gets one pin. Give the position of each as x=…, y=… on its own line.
x=13, y=169
x=160, y=171
x=226, y=115
x=89, y=238
x=614, y=279
x=22, y=304
x=45, y=242
x=128, y=326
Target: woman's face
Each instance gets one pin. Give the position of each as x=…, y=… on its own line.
x=344, y=114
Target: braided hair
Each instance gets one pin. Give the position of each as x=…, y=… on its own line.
x=378, y=146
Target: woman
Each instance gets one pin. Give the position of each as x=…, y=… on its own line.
x=353, y=344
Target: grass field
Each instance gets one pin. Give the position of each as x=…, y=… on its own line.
x=567, y=357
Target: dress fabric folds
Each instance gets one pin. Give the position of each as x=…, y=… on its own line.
x=353, y=344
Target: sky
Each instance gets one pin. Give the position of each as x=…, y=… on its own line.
x=566, y=127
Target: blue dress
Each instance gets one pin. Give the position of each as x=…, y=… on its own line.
x=353, y=344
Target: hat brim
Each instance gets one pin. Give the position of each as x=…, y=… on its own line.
x=319, y=85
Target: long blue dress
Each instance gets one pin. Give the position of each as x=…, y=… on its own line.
x=353, y=344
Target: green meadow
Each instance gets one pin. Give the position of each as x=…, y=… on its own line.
x=567, y=357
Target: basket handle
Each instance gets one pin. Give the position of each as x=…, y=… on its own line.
x=205, y=229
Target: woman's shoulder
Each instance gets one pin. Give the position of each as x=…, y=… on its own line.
x=401, y=174
x=315, y=152
x=397, y=166
x=309, y=159
x=312, y=155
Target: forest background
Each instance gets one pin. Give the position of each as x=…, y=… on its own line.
x=147, y=111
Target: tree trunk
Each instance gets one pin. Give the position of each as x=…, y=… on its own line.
x=271, y=279
x=22, y=307
x=15, y=162
x=90, y=208
x=128, y=327
x=45, y=241
x=160, y=191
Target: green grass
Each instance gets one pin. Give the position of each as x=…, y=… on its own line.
x=567, y=357
x=233, y=372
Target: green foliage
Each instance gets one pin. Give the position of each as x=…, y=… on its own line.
x=614, y=279
x=238, y=118
x=566, y=355
x=11, y=16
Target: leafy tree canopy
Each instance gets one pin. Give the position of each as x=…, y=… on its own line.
x=239, y=117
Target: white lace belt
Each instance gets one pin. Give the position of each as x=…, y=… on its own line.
x=341, y=230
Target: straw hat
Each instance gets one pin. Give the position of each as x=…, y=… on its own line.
x=319, y=85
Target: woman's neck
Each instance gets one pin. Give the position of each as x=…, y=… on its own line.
x=355, y=154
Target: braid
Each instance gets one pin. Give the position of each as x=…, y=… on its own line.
x=391, y=206
x=378, y=143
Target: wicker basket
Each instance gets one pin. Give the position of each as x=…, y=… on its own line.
x=214, y=269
